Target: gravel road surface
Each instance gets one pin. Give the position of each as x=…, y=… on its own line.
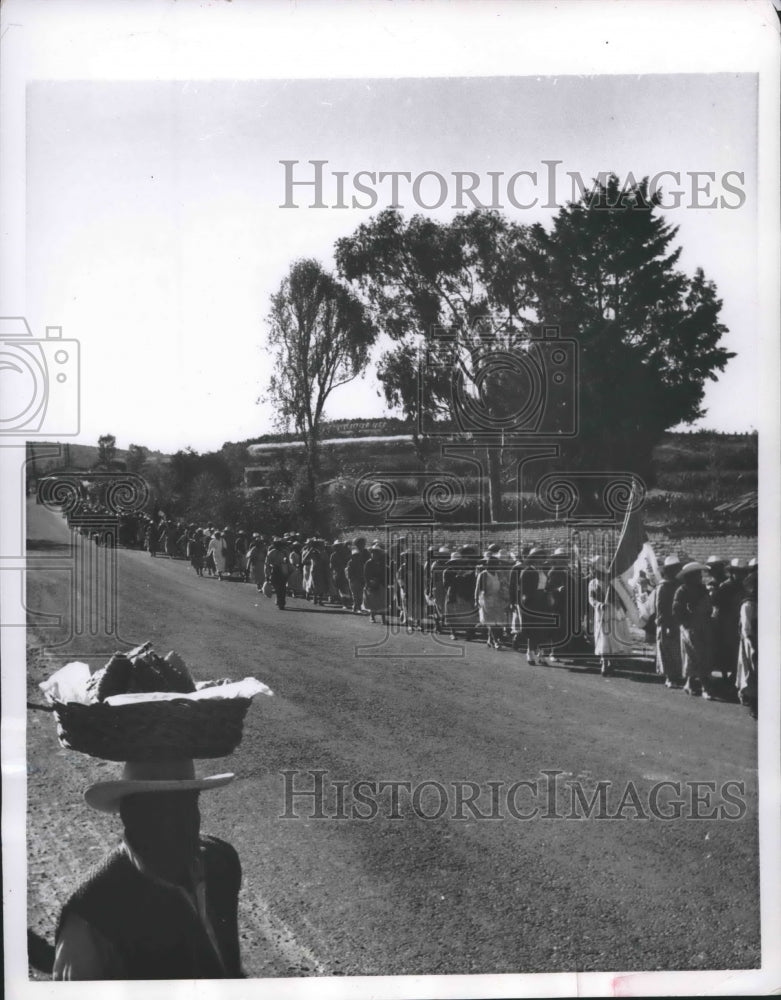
x=411, y=895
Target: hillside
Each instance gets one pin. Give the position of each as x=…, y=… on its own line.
x=49, y=455
x=698, y=477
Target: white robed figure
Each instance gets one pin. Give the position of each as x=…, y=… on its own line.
x=219, y=552
x=611, y=633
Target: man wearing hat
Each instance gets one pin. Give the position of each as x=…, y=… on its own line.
x=523, y=590
x=559, y=590
x=164, y=903
x=725, y=601
x=668, y=633
x=276, y=570
x=436, y=592
x=354, y=570
x=692, y=610
x=459, y=580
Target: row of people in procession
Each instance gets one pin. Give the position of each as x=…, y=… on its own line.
x=701, y=617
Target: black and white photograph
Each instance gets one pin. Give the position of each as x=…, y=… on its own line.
x=389, y=436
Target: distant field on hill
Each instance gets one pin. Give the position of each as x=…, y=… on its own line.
x=694, y=474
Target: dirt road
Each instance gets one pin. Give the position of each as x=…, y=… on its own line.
x=406, y=895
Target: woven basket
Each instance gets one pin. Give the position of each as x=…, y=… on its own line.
x=152, y=730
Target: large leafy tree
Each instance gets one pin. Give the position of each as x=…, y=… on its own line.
x=606, y=273
x=447, y=294
x=320, y=336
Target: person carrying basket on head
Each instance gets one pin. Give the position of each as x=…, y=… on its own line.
x=163, y=904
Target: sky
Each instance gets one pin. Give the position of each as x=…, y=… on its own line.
x=155, y=232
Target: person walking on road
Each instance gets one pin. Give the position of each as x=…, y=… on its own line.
x=411, y=588
x=375, y=584
x=668, y=632
x=692, y=610
x=337, y=565
x=355, y=577
x=256, y=561
x=748, y=653
x=526, y=602
x=726, y=591
x=492, y=598
x=151, y=538
x=460, y=578
x=241, y=547
x=218, y=553
x=195, y=551
x=608, y=616
x=276, y=570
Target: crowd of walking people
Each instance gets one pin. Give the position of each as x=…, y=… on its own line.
x=700, y=617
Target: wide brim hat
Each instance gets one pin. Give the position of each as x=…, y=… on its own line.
x=145, y=777
x=443, y=550
x=715, y=561
x=739, y=563
x=691, y=567
x=671, y=561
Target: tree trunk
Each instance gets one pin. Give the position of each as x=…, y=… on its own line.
x=494, y=469
x=311, y=480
